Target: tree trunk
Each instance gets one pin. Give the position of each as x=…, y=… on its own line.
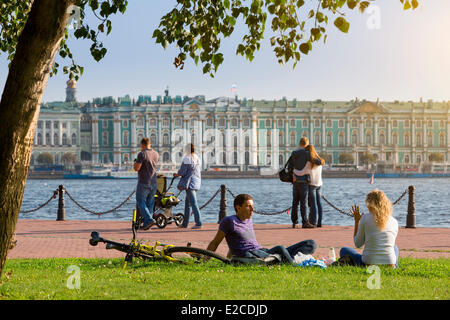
x=20, y=104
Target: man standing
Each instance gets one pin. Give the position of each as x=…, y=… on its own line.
x=298, y=161
x=145, y=165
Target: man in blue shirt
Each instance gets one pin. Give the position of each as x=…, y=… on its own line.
x=145, y=165
x=240, y=236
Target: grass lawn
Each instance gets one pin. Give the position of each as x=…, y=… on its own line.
x=104, y=279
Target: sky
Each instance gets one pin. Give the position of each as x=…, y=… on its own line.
x=405, y=57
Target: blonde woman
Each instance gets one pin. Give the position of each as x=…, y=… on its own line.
x=376, y=230
x=313, y=168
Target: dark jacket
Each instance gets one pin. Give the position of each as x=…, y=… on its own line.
x=298, y=161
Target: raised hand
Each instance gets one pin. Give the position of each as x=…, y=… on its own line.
x=355, y=212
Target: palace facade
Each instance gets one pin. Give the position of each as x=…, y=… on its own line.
x=241, y=134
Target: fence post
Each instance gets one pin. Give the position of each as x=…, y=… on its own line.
x=411, y=217
x=223, y=202
x=61, y=216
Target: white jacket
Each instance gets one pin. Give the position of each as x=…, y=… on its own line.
x=315, y=174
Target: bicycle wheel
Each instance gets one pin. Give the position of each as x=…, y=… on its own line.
x=194, y=255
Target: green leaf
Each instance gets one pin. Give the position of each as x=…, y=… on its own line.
x=342, y=24
x=304, y=48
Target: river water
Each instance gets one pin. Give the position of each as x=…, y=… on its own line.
x=432, y=198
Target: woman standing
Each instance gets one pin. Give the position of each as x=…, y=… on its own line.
x=314, y=170
x=375, y=231
x=190, y=181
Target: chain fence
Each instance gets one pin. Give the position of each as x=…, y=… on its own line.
x=265, y=213
x=55, y=193
x=103, y=212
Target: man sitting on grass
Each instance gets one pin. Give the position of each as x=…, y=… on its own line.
x=240, y=236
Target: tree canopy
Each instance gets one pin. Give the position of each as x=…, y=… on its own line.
x=197, y=27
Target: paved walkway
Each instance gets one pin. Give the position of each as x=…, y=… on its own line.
x=45, y=239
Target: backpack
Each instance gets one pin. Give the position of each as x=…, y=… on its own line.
x=286, y=175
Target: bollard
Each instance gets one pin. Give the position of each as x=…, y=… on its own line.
x=411, y=217
x=223, y=202
x=61, y=216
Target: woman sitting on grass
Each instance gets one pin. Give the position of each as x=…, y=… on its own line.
x=376, y=230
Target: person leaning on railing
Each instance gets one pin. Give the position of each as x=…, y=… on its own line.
x=376, y=231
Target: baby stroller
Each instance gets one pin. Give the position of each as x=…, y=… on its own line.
x=164, y=201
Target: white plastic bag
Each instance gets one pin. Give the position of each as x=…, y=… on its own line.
x=300, y=257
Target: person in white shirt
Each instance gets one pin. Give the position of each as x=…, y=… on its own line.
x=314, y=170
x=376, y=230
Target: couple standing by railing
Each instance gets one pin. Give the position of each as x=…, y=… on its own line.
x=190, y=173
x=305, y=165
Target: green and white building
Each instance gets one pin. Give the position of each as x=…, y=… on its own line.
x=241, y=134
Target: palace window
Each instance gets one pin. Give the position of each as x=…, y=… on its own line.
x=234, y=122
x=382, y=138
x=104, y=124
x=39, y=139
x=235, y=158
x=47, y=139
x=166, y=157
x=395, y=123
x=442, y=124
x=178, y=122
x=104, y=138
x=166, y=141
x=209, y=121
x=419, y=141
x=139, y=138
x=55, y=139
x=64, y=139
x=74, y=139
x=126, y=158
x=329, y=123
x=430, y=139
x=48, y=125
x=354, y=123
x=406, y=158
x=268, y=123
x=368, y=138
x=105, y=158
x=341, y=123
x=407, y=140
x=125, y=123
x=382, y=123
x=317, y=138
x=317, y=123
x=153, y=140
x=419, y=123
x=329, y=139
x=407, y=123
x=247, y=141
x=125, y=138
x=269, y=139
x=354, y=137
x=235, y=142
x=293, y=123
x=442, y=139
x=140, y=122
x=341, y=139
x=247, y=158
x=55, y=124
x=222, y=122
x=246, y=122
x=280, y=123
x=395, y=138
x=368, y=123
x=39, y=125
x=305, y=123
x=281, y=138
x=292, y=138
x=430, y=124
x=166, y=122
x=153, y=122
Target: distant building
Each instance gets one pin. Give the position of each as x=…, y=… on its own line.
x=241, y=134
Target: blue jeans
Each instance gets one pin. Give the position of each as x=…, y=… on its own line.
x=316, y=205
x=145, y=198
x=357, y=257
x=299, y=195
x=191, y=202
x=287, y=254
